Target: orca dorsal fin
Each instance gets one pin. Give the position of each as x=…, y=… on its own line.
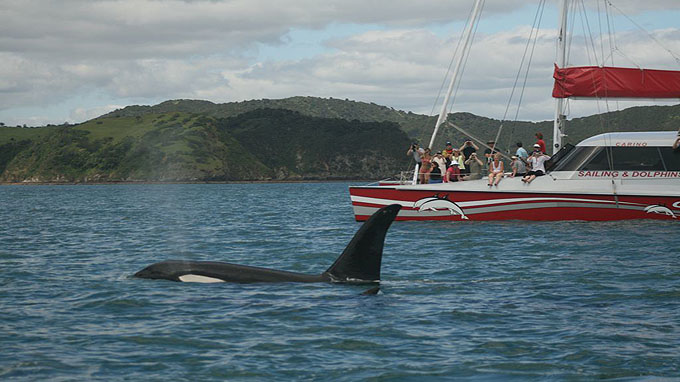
x=360, y=261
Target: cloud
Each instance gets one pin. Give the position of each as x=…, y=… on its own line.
x=83, y=114
x=150, y=50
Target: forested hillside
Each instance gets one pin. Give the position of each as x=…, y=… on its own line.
x=263, y=144
x=289, y=139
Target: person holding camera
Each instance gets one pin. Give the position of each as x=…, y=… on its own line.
x=537, y=160
x=467, y=149
x=417, y=152
x=474, y=166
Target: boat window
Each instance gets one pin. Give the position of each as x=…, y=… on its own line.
x=575, y=159
x=630, y=158
x=671, y=158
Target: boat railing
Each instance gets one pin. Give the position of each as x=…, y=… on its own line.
x=404, y=177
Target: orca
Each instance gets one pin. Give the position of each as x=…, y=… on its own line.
x=359, y=263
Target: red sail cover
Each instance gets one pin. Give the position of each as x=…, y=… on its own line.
x=609, y=82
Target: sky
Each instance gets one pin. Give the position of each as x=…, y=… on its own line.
x=73, y=60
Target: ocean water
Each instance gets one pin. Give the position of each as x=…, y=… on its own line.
x=459, y=301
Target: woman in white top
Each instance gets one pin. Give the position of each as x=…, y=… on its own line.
x=495, y=170
x=537, y=161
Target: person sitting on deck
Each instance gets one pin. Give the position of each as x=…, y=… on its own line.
x=435, y=173
x=439, y=161
x=518, y=167
x=495, y=170
x=453, y=173
x=537, y=161
x=475, y=165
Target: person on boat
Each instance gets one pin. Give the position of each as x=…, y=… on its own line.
x=435, y=173
x=440, y=162
x=518, y=166
x=448, y=151
x=490, y=152
x=424, y=173
x=458, y=157
x=521, y=152
x=416, y=151
x=537, y=148
x=467, y=149
x=676, y=145
x=453, y=173
x=495, y=170
x=474, y=166
x=536, y=161
x=540, y=142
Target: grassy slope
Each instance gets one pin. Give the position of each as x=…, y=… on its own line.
x=192, y=140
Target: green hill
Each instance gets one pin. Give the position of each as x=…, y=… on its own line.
x=289, y=139
x=419, y=127
x=264, y=144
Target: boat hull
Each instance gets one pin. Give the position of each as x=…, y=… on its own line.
x=437, y=203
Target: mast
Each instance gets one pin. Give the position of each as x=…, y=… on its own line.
x=560, y=119
x=467, y=37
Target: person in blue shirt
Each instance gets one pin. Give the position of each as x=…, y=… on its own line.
x=521, y=153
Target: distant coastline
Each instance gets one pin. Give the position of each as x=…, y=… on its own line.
x=173, y=182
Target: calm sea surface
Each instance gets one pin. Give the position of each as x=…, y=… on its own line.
x=459, y=301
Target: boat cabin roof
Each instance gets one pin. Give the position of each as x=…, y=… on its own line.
x=633, y=139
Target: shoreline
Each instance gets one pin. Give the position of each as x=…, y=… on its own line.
x=180, y=182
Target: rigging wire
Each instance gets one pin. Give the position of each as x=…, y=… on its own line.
x=465, y=61
x=421, y=137
x=534, y=27
x=675, y=57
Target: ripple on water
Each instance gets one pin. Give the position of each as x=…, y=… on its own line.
x=486, y=301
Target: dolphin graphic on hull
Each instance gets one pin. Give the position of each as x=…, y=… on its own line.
x=658, y=209
x=438, y=203
x=359, y=263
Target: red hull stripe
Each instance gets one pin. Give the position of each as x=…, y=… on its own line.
x=422, y=205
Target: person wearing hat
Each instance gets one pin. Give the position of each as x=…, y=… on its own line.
x=540, y=142
x=537, y=148
x=537, y=160
x=448, y=151
x=453, y=173
x=518, y=167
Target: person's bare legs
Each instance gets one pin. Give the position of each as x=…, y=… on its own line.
x=499, y=176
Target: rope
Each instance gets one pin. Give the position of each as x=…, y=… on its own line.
x=675, y=57
x=534, y=27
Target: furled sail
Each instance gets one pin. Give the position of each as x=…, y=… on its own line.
x=611, y=82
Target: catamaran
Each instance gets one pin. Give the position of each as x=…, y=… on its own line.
x=611, y=176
